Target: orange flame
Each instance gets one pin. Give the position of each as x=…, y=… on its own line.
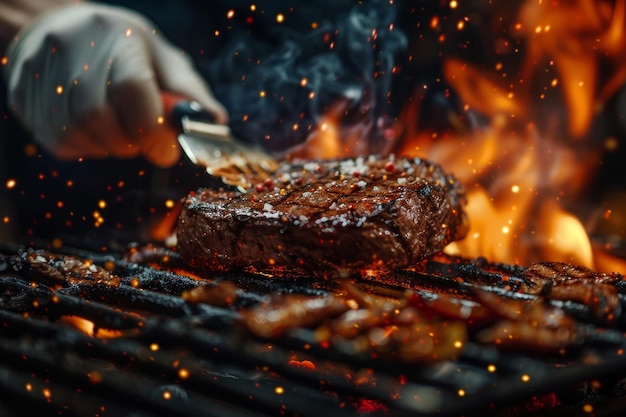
x=88, y=327
x=525, y=183
x=520, y=180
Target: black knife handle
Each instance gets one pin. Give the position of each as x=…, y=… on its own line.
x=191, y=110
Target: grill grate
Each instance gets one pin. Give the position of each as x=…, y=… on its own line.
x=172, y=357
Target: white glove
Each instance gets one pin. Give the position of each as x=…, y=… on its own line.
x=86, y=80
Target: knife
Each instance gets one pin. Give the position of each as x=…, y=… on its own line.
x=213, y=146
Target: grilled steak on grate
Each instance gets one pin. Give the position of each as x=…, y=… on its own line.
x=324, y=215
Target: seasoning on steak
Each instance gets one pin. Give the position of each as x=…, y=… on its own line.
x=326, y=215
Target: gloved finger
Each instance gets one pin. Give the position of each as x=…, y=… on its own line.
x=134, y=91
x=177, y=74
x=160, y=146
x=76, y=145
x=104, y=129
x=143, y=120
x=135, y=94
x=99, y=135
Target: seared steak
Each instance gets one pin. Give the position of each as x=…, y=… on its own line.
x=324, y=215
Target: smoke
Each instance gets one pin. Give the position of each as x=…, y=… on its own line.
x=277, y=87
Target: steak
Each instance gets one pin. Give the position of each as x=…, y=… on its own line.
x=325, y=215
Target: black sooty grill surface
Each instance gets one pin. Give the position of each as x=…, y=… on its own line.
x=113, y=335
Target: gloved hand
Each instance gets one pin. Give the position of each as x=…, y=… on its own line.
x=86, y=80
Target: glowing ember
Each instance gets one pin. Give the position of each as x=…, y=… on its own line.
x=87, y=327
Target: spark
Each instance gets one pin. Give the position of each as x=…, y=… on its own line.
x=129, y=32
x=279, y=390
x=4, y=60
x=454, y=4
x=11, y=183
x=230, y=14
x=434, y=22
x=154, y=347
x=169, y=203
x=59, y=89
x=611, y=144
x=280, y=18
x=525, y=378
x=98, y=219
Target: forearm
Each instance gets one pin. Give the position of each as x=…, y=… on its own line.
x=15, y=14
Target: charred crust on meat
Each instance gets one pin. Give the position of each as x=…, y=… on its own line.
x=348, y=213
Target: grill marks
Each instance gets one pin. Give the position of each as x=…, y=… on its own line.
x=326, y=215
x=567, y=282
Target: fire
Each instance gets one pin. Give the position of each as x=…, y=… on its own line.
x=534, y=223
x=88, y=327
x=527, y=167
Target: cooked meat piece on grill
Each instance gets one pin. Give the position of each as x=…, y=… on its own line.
x=63, y=269
x=567, y=282
x=288, y=311
x=323, y=215
x=558, y=273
